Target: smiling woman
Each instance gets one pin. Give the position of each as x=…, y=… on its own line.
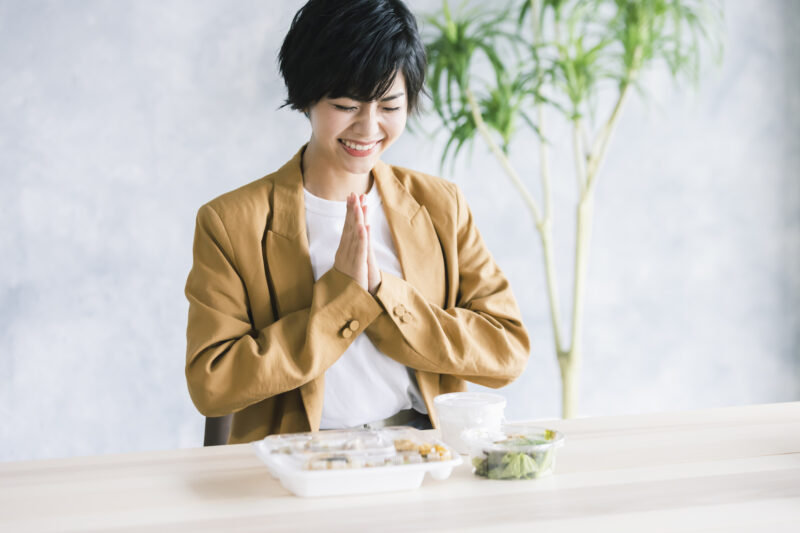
x=310, y=310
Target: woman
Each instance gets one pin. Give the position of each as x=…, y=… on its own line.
x=340, y=290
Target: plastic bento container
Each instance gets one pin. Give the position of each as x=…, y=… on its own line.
x=338, y=462
x=517, y=451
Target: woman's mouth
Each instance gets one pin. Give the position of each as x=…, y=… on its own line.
x=358, y=149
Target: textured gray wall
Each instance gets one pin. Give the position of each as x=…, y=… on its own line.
x=119, y=119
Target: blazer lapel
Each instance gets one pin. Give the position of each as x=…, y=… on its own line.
x=287, y=252
x=289, y=264
x=420, y=254
x=415, y=238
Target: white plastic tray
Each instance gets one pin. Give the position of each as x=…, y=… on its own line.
x=306, y=483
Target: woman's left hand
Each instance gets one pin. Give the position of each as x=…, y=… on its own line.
x=373, y=272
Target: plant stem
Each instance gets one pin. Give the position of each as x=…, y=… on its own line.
x=580, y=158
x=544, y=165
x=546, y=227
x=498, y=153
x=546, y=234
x=571, y=362
x=601, y=143
x=535, y=22
x=570, y=379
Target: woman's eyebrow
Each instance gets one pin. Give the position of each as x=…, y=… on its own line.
x=398, y=95
x=350, y=97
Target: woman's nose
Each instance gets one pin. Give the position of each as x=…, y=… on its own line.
x=367, y=123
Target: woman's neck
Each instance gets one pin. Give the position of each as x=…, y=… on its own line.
x=321, y=180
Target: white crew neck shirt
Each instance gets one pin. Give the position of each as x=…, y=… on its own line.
x=364, y=385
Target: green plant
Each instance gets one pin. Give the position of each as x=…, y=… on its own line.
x=558, y=54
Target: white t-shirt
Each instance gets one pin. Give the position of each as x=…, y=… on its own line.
x=364, y=385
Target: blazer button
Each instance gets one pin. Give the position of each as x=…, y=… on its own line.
x=353, y=325
x=405, y=318
x=346, y=333
x=399, y=310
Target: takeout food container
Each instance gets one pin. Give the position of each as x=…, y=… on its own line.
x=358, y=461
x=457, y=411
x=516, y=451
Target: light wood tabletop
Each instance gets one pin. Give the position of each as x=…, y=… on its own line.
x=726, y=469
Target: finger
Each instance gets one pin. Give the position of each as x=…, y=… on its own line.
x=361, y=246
x=352, y=210
x=350, y=216
x=359, y=218
x=364, y=207
x=350, y=228
x=348, y=222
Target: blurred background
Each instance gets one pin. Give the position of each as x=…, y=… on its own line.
x=118, y=120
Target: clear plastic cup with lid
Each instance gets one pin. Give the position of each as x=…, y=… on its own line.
x=458, y=411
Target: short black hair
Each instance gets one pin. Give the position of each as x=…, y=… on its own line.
x=352, y=48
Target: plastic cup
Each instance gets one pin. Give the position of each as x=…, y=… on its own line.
x=458, y=411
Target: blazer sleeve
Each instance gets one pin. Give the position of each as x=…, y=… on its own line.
x=480, y=339
x=230, y=364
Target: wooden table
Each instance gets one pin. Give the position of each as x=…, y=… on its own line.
x=729, y=469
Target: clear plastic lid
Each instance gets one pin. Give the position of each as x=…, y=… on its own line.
x=469, y=400
x=340, y=441
x=348, y=449
x=517, y=438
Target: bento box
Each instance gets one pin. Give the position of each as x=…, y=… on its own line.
x=337, y=462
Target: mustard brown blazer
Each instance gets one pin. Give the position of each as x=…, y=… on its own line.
x=261, y=332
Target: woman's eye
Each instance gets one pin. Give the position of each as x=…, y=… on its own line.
x=348, y=109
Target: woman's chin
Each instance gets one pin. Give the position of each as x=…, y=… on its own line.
x=361, y=165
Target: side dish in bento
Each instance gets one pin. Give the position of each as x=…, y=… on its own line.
x=406, y=451
x=345, y=449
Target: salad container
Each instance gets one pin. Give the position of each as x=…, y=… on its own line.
x=516, y=451
x=356, y=461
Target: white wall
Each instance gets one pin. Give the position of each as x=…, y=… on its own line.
x=119, y=119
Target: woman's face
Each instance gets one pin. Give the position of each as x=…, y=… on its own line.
x=351, y=135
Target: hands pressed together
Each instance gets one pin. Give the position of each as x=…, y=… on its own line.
x=355, y=256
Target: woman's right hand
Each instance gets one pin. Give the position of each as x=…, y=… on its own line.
x=351, y=256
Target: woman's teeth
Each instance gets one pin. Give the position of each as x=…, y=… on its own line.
x=359, y=147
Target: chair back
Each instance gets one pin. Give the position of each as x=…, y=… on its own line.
x=218, y=428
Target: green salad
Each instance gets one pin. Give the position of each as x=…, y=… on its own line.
x=516, y=460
